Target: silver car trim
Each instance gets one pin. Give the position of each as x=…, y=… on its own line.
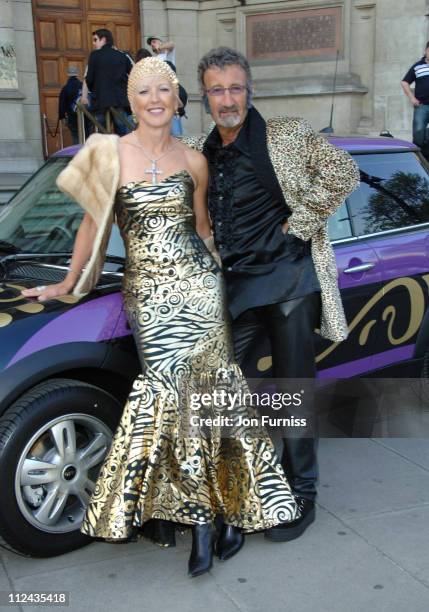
x=360, y=268
x=406, y=229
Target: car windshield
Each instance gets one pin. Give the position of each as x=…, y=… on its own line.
x=39, y=218
x=42, y=219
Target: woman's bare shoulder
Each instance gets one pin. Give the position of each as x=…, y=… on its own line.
x=128, y=139
x=193, y=157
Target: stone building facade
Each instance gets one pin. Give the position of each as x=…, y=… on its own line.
x=294, y=47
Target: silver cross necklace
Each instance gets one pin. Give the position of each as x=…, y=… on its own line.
x=154, y=169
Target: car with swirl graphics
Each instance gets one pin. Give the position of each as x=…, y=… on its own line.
x=66, y=365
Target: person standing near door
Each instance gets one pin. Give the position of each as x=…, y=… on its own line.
x=419, y=98
x=107, y=79
x=162, y=50
x=69, y=96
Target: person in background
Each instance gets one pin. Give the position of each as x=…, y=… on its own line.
x=107, y=79
x=419, y=98
x=86, y=94
x=142, y=54
x=69, y=95
x=162, y=50
x=176, y=125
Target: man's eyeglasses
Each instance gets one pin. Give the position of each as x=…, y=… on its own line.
x=234, y=90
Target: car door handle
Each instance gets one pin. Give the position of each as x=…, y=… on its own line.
x=363, y=267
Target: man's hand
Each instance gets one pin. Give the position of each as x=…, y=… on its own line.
x=43, y=293
x=409, y=93
x=285, y=227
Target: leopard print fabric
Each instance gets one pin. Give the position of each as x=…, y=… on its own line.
x=315, y=178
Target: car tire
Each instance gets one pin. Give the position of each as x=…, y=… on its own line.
x=53, y=441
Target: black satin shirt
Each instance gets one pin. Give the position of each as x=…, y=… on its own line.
x=261, y=264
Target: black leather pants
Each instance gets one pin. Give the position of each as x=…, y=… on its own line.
x=290, y=327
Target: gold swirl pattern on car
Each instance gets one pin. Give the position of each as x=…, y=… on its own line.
x=20, y=304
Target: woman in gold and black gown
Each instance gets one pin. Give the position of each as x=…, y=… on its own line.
x=159, y=466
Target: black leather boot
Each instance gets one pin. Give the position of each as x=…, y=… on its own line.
x=230, y=541
x=160, y=532
x=289, y=531
x=201, y=559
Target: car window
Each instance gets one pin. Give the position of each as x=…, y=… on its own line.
x=42, y=219
x=339, y=224
x=394, y=193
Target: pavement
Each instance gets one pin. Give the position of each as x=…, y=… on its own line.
x=367, y=551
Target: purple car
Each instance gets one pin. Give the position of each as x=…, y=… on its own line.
x=66, y=365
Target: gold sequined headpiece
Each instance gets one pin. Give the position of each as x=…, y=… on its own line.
x=150, y=66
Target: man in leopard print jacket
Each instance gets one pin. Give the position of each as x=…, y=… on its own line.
x=272, y=187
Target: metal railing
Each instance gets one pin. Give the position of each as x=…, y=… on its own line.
x=46, y=130
x=83, y=116
x=83, y=112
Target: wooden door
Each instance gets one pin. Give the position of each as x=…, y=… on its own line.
x=63, y=32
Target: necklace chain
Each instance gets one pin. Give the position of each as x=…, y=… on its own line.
x=154, y=169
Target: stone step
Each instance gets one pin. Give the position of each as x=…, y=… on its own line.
x=10, y=182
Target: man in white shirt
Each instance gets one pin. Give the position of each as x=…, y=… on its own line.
x=163, y=50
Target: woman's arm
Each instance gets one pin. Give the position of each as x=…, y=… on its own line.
x=81, y=253
x=203, y=226
x=201, y=177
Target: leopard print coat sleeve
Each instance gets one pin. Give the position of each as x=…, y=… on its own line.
x=315, y=178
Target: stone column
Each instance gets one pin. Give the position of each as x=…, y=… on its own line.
x=20, y=134
x=401, y=35
x=177, y=20
x=362, y=56
x=183, y=30
x=153, y=20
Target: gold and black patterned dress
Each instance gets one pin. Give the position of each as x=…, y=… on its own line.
x=174, y=299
